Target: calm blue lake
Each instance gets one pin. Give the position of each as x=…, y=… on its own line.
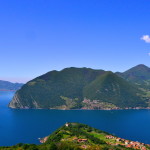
x=26, y=126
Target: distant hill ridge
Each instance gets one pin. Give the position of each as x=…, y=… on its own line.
x=138, y=73
x=86, y=88
x=6, y=85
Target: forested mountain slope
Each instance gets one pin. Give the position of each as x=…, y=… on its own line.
x=80, y=88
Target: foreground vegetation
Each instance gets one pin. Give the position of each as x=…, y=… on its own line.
x=75, y=136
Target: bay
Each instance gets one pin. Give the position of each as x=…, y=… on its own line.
x=27, y=125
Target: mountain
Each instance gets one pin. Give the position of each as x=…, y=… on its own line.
x=115, y=90
x=78, y=88
x=140, y=76
x=76, y=136
x=55, y=88
x=5, y=85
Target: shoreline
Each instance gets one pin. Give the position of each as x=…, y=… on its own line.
x=147, y=108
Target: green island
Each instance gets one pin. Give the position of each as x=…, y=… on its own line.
x=86, y=88
x=77, y=136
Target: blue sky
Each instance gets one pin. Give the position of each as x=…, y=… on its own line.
x=37, y=36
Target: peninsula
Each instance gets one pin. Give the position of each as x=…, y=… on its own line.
x=76, y=136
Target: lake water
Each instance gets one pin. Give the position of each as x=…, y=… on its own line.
x=26, y=126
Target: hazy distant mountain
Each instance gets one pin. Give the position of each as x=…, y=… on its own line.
x=5, y=85
x=83, y=88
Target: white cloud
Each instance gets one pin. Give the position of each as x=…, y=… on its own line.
x=149, y=54
x=146, y=38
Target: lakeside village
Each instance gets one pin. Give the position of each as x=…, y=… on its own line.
x=100, y=105
x=110, y=140
x=127, y=143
